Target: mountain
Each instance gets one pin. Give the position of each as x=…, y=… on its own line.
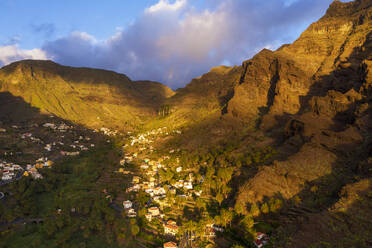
x=310, y=101
x=87, y=96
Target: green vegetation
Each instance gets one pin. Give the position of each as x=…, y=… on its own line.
x=72, y=209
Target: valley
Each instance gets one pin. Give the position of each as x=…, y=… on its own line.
x=276, y=152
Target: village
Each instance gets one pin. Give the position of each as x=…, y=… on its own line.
x=166, y=199
x=38, y=145
x=168, y=185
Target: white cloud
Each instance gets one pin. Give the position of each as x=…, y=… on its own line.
x=164, y=5
x=12, y=53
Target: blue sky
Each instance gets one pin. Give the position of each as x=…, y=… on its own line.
x=171, y=41
x=37, y=20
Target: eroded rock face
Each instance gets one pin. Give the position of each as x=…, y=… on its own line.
x=332, y=54
x=321, y=88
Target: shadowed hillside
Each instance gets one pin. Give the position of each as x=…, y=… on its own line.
x=91, y=97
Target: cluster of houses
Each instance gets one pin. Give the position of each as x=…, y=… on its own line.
x=77, y=145
x=146, y=138
x=151, y=182
x=128, y=207
x=66, y=141
x=108, y=132
x=32, y=170
x=9, y=170
x=61, y=127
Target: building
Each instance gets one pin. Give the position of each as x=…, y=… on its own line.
x=159, y=191
x=170, y=229
x=132, y=213
x=261, y=240
x=136, y=179
x=154, y=211
x=217, y=228
x=148, y=217
x=258, y=243
x=187, y=185
x=48, y=163
x=170, y=245
x=171, y=222
x=261, y=235
x=6, y=177
x=179, y=184
x=127, y=204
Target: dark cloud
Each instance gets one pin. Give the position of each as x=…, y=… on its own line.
x=173, y=42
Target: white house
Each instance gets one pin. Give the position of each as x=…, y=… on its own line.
x=131, y=213
x=154, y=211
x=170, y=229
x=187, y=185
x=127, y=204
x=159, y=191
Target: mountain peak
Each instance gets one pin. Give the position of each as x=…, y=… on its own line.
x=340, y=9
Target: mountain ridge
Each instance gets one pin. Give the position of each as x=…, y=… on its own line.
x=309, y=101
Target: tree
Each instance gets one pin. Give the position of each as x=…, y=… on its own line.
x=265, y=208
x=121, y=235
x=247, y=222
x=255, y=211
x=237, y=246
x=219, y=198
x=226, y=217
x=225, y=174
x=134, y=229
x=239, y=208
x=275, y=204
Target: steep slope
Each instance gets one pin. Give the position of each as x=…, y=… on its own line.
x=91, y=97
x=325, y=104
x=198, y=107
x=282, y=81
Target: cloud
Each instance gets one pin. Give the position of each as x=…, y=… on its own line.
x=12, y=40
x=12, y=53
x=164, y=5
x=173, y=42
x=47, y=29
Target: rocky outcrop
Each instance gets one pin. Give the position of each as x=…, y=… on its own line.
x=319, y=90
x=332, y=54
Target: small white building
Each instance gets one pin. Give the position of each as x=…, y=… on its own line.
x=159, y=191
x=132, y=213
x=170, y=229
x=187, y=185
x=154, y=211
x=127, y=204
